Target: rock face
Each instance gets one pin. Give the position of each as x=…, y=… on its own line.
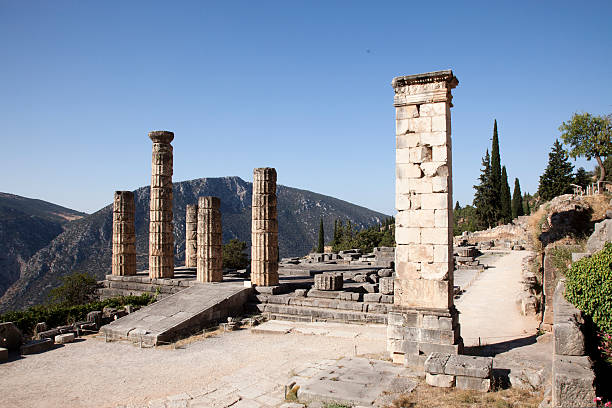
x=601, y=235
x=85, y=244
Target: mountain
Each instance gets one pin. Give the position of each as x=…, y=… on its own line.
x=26, y=226
x=85, y=245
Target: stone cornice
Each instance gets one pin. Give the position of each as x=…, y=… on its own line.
x=426, y=78
x=418, y=89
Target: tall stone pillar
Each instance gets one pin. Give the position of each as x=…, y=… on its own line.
x=424, y=318
x=191, y=236
x=161, y=228
x=264, y=229
x=124, y=234
x=210, y=256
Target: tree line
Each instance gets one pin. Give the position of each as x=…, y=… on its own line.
x=348, y=236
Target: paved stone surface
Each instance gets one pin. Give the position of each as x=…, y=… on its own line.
x=182, y=312
x=330, y=329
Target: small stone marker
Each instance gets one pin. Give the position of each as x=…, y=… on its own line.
x=64, y=338
x=328, y=281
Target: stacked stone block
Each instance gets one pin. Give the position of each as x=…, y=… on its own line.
x=464, y=372
x=264, y=228
x=209, y=243
x=328, y=281
x=161, y=228
x=424, y=315
x=191, y=236
x=124, y=234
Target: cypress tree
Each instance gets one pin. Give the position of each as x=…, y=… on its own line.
x=320, y=247
x=526, y=208
x=496, y=176
x=517, y=200
x=506, y=200
x=485, y=196
x=558, y=175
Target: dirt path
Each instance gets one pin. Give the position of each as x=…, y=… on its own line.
x=93, y=373
x=488, y=308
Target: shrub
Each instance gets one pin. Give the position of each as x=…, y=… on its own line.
x=59, y=315
x=76, y=289
x=234, y=256
x=589, y=287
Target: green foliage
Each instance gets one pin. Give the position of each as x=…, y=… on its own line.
x=583, y=178
x=607, y=166
x=321, y=243
x=465, y=219
x=557, y=176
x=589, y=136
x=349, y=237
x=506, y=200
x=485, y=197
x=76, y=289
x=234, y=256
x=496, y=170
x=589, y=287
x=517, y=200
x=58, y=315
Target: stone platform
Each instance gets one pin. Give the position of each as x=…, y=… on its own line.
x=182, y=313
x=140, y=283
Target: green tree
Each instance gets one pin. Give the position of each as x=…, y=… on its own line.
x=234, y=256
x=464, y=219
x=557, y=176
x=485, y=197
x=506, y=200
x=496, y=172
x=526, y=203
x=607, y=166
x=588, y=136
x=517, y=200
x=77, y=288
x=582, y=177
x=321, y=244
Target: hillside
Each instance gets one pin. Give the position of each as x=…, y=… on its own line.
x=26, y=226
x=85, y=244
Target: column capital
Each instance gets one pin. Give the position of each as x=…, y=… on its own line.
x=161, y=136
x=429, y=87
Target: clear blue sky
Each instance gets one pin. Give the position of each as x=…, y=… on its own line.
x=300, y=86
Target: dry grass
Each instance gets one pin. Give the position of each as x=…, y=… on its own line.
x=599, y=204
x=425, y=396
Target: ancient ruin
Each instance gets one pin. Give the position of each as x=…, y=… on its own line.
x=124, y=234
x=264, y=229
x=161, y=227
x=424, y=318
x=209, y=253
x=191, y=236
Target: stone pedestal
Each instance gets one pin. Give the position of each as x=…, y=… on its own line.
x=124, y=234
x=209, y=255
x=328, y=281
x=191, y=236
x=161, y=228
x=424, y=317
x=264, y=229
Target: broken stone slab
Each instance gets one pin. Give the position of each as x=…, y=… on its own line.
x=473, y=383
x=10, y=336
x=436, y=362
x=49, y=334
x=64, y=338
x=572, y=381
x=385, y=273
x=469, y=366
x=37, y=346
x=3, y=354
x=440, y=380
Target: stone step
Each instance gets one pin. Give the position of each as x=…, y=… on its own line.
x=329, y=303
x=305, y=313
x=181, y=313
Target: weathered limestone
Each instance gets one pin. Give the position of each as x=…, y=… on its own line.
x=191, y=236
x=209, y=233
x=465, y=372
x=328, y=281
x=124, y=234
x=161, y=228
x=264, y=229
x=424, y=318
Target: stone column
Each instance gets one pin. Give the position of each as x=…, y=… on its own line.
x=161, y=228
x=191, y=236
x=210, y=256
x=424, y=318
x=264, y=229
x=124, y=234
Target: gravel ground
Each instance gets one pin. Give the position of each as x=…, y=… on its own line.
x=93, y=373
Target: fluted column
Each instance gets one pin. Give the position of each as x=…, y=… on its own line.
x=161, y=228
x=210, y=257
x=264, y=229
x=191, y=236
x=124, y=234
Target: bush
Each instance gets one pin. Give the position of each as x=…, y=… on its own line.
x=234, y=256
x=589, y=287
x=59, y=315
x=76, y=289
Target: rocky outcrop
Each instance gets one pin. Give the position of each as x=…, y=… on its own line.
x=599, y=237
